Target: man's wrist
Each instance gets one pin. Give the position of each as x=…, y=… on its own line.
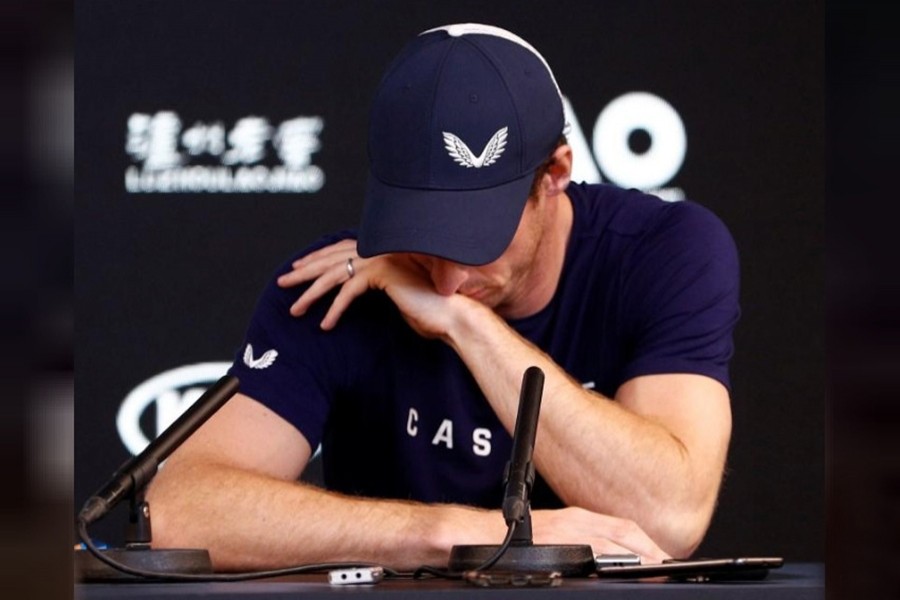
x=468, y=318
x=454, y=525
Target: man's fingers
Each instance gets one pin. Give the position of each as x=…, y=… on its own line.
x=344, y=248
x=606, y=534
x=314, y=270
x=349, y=292
x=321, y=286
x=319, y=263
x=628, y=535
x=301, y=274
x=649, y=552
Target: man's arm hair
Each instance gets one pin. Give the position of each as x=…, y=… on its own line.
x=232, y=489
x=654, y=456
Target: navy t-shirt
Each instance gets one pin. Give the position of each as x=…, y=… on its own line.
x=647, y=287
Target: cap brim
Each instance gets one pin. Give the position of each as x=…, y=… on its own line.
x=472, y=227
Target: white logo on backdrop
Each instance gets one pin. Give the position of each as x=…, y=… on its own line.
x=170, y=393
x=170, y=156
x=610, y=150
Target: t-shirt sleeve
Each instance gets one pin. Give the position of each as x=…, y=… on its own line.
x=683, y=285
x=288, y=363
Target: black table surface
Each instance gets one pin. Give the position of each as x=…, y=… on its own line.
x=797, y=581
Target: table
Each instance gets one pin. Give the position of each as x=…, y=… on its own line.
x=794, y=581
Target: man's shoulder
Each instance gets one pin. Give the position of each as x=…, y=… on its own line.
x=622, y=211
x=631, y=212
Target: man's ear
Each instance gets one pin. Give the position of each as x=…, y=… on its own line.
x=559, y=172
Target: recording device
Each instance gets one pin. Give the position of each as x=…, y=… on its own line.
x=522, y=556
x=616, y=560
x=129, y=482
x=356, y=576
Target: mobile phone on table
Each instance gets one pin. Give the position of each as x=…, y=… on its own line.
x=698, y=569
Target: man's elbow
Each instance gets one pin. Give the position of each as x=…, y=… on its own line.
x=680, y=531
x=172, y=524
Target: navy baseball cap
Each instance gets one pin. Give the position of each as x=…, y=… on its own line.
x=461, y=120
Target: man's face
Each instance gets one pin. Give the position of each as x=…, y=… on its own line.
x=502, y=284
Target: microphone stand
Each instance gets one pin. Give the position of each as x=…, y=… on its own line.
x=522, y=555
x=129, y=482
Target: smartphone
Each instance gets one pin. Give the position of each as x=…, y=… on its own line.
x=698, y=569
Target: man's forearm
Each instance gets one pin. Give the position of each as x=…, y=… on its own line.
x=593, y=452
x=249, y=522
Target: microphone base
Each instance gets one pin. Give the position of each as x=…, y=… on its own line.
x=571, y=560
x=89, y=568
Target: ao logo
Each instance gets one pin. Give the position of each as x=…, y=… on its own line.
x=630, y=113
x=172, y=392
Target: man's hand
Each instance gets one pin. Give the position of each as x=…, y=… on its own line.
x=405, y=282
x=326, y=268
x=605, y=534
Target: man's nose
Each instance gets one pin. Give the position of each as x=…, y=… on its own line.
x=448, y=276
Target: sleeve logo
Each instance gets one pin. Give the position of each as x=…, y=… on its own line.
x=268, y=357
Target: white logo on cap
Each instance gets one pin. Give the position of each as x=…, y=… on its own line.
x=461, y=154
x=263, y=361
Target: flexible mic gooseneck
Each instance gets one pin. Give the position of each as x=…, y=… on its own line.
x=519, y=554
x=139, y=470
x=129, y=482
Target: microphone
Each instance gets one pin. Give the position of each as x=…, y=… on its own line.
x=137, y=472
x=520, y=470
x=521, y=555
x=130, y=480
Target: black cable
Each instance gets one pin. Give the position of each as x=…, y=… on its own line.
x=487, y=564
x=501, y=550
x=298, y=570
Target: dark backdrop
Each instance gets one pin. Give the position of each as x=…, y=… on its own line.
x=167, y=279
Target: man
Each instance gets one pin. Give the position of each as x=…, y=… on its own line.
x=404, y=354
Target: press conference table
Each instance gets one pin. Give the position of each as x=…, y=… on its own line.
x=794, y=581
